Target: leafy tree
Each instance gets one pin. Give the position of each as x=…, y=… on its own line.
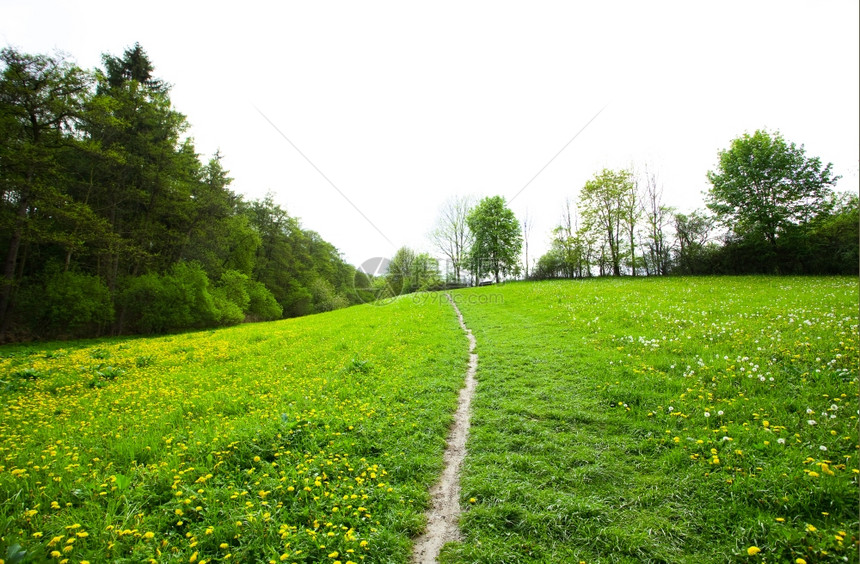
x=67, y=303
x=140, y=172
x=41, y=97
x=451, y=236
x=107, y=213
x=401, y=272
x=325, y=296
x=409, y=271
x=833, y=240
x=291, y=262
x=178, y=299
x=606, y=202
x=262, y=305
x=217, y=233
x=498, y=239
x=658, y=218
x=549, y=265
x=427, y=276
x=763, y=185
x=570, y=251
x=692, y=232
x=631, y=212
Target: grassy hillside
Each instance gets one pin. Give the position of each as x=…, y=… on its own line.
x=310, y=440
x=663, y=420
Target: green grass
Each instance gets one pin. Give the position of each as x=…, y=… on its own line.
x=647, y=420
x=304, y=438
x=663, y=420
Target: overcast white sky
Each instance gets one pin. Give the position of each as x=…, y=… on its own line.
x=403, y=104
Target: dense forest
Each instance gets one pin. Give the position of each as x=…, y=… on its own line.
x=110, y=222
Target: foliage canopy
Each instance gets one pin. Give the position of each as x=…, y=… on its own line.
x=764, y=184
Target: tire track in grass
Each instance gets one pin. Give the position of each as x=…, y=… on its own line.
x=445, y=509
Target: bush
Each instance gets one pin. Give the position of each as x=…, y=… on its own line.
x=231, y=298
x=235, y=288
x=178, y=300
x=67, y=303
x=262, y=305
x=227, y=311
x=325, y=297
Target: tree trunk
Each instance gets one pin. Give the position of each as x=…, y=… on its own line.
x=632, y=251
x=8, y=281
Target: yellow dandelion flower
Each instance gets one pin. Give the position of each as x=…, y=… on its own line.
x=753, y=550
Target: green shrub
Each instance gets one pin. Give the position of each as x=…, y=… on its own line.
x=228, y=312
x=180, y=299
x=235, y=288
x=262, y=304
x=325, y=297
x=67, y=303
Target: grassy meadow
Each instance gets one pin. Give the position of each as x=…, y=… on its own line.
x=663, y=420
x=307, y=440
x=631, y=420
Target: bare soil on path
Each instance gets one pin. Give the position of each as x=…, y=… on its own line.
x=444, y=512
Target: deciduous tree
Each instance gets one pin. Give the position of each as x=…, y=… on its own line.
x=452, y=236
x=40, y=99
x=605, y=204
x=498, y=239
x=763, y=184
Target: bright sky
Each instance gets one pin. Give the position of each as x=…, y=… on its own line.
x=402, y=104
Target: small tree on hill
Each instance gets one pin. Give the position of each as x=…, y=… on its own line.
x=498, y=239
x=763, y=185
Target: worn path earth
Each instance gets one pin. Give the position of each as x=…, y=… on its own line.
x=445, y=495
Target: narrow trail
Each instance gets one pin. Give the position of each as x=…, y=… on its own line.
x=445, y=495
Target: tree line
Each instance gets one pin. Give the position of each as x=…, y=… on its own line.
x=110, y=222
x=770, y=209
x=477, y=243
